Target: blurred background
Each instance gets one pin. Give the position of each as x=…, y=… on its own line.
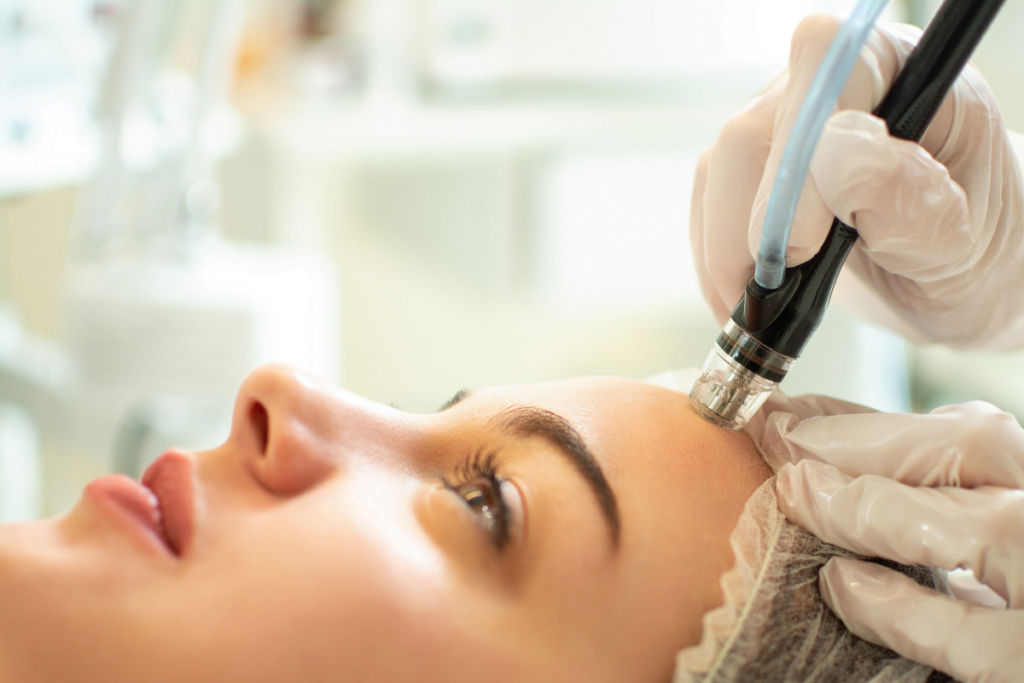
x=406, y=197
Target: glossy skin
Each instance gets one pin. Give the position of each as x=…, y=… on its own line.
x=327, y=548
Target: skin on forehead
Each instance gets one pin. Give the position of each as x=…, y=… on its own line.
x=338, y=554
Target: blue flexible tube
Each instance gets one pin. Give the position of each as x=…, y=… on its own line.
x=796, y=158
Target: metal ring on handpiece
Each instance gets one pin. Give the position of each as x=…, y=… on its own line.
x=737, y=378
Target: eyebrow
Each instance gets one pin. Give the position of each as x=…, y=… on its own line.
x=460, y=396
x=527, y=421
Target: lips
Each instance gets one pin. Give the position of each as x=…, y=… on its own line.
x=160, y=511
x=133, y=506
x=172, y=480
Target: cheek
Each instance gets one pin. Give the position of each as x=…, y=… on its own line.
x=333, y=580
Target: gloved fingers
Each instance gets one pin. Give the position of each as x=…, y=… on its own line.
x=780, y=413
x=937, y=247
x=869, y=81
x=978, y=529
x=885, y=607
x=964, y=586
x=734, y=170
x=741, y=168
x=913, y=219
x=948, y=287
x=967, y=445
x=708, y=289
x=968, y=121
x=806, y=406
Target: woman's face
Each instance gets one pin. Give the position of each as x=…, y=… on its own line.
x=565, y=531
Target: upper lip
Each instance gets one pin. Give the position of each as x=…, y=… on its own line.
x=172, y=479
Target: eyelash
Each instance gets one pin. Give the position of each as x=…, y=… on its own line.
x=481, y=471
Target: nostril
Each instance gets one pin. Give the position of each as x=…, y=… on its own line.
x=261, y=425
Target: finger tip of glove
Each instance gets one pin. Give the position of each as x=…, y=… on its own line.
x=785, y=487
x=828, y=576
x=842, y=577
x=797, y=254
x=861, y=140
x=839, y=568
x=814, y=33
x=845, y=574
x=810, y=226
x=773, y=433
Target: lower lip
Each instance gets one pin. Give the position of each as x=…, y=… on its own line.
x=133, y=507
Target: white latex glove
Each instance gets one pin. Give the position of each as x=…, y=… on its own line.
x=943, y=249
x=941, y=490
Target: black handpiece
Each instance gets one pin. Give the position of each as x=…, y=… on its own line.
x=785, y=318
x=769, y=328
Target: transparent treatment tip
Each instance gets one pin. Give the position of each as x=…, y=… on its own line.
x=737, y=378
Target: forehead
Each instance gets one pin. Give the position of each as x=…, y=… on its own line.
x=613, y=415
x=584, y=399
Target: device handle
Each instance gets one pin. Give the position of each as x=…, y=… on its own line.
x=910, y=105
x=934, y=65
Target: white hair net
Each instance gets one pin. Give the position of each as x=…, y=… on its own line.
x=774, y=625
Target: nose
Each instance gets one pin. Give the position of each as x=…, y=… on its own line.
x=294, y=431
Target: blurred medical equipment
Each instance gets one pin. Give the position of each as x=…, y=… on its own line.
x=939, y=490
x=47, y=134
x=47, y=137
x=769, y=328
x=164, y=316
x=20, y=474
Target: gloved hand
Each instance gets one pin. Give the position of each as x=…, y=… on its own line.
x=942, y=249
x=941, y=490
